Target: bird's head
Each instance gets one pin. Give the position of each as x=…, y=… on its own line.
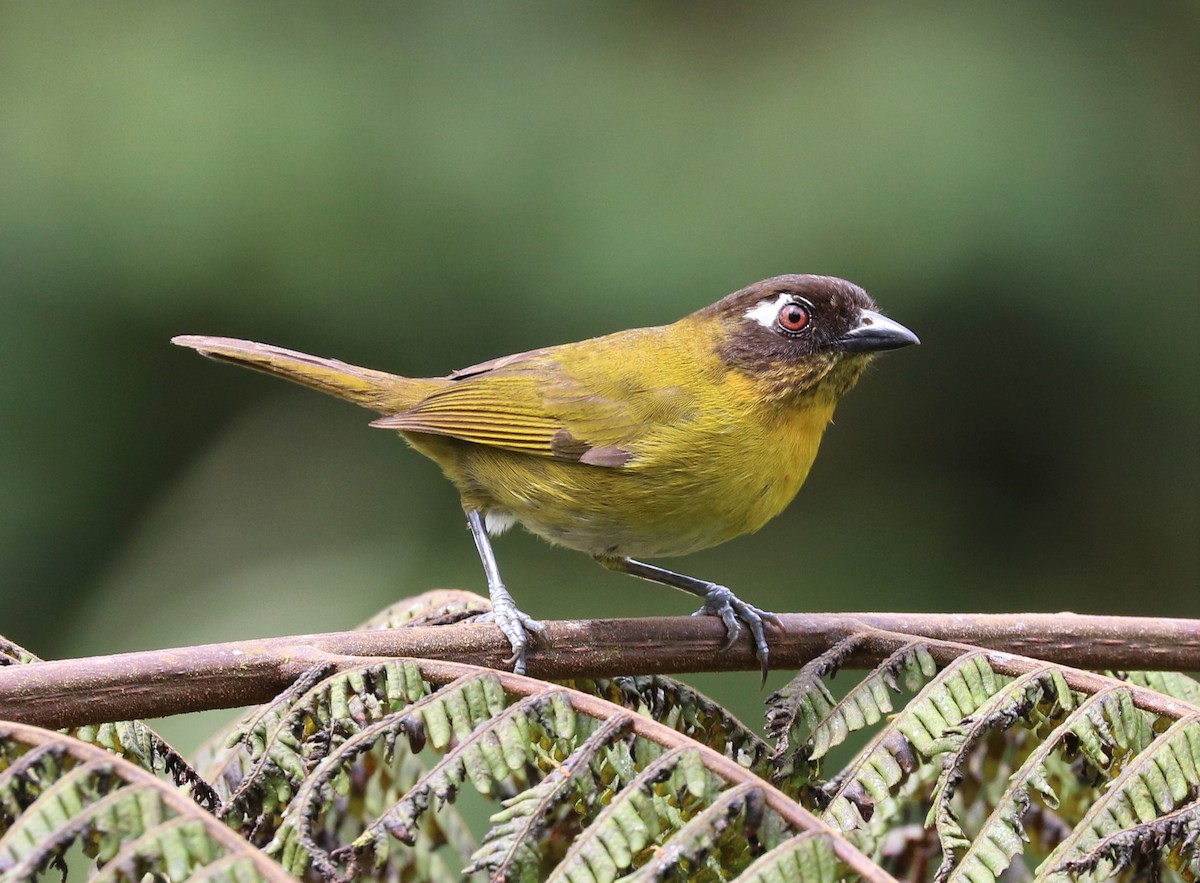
x=802, y=335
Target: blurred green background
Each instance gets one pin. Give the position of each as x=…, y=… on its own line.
x=420, y=186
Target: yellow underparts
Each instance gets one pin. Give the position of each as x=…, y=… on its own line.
x=691, y=484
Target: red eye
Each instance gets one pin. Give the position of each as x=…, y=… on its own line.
x=793, y=318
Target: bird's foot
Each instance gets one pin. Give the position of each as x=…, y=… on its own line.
x=719, y=601
x=516, y=626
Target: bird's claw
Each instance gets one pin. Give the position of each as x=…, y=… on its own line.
x=719, y=601
x=517, y=628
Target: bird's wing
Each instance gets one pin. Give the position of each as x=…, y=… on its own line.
x=530, y=404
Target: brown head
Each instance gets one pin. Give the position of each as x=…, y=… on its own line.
x=802, y=335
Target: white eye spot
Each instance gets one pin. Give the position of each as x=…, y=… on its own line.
x=768, y=310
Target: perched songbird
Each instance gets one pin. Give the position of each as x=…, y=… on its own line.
x=646, y=443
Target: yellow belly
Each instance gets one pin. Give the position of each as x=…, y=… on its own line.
x=688, y=487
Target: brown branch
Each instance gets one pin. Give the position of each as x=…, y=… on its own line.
x=156, y=683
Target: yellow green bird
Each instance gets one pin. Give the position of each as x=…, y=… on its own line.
x=646, y=443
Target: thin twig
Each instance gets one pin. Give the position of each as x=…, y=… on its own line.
x=157, y=683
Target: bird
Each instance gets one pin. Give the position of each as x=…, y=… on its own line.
x=645, y=443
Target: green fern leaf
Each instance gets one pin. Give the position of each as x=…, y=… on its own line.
x=1015, y=701
x=1161, y=778
x=805, y=699
x=693, y=847
x=57, y=792
x=1101, y=723
x=863, y=786
x=512, y=848
x=659, y=800
x=806, y=705
x=271, y=751
x=492, y=744
x=805, y=858
x=1171, y=683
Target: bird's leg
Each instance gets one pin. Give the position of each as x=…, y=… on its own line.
x=718, y=601
x=515, y=624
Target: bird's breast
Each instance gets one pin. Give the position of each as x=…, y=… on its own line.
x=689, y=486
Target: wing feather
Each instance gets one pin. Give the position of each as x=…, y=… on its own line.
x=500, y=407
x=531, y=404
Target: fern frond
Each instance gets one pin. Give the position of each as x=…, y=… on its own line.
x=132, y=740
x=806, y=704
x=805, y=698
x=435, y=607
x=270, y=752
x=1103, y=726
x=57, y=792
x=229, y=869
x=684, y=709
x=1170, y=683
x=1175, y=837
x=1161, y=778
x=141, y=745
x=512, y=848
x=863, y=786
x=498, y=750
x=715, y=842
x=658, y=801
x=492, y=742
x=806, y=858
x=1020, y=699
x=179, y=842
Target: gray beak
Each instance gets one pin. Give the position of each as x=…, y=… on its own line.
x=876, y=332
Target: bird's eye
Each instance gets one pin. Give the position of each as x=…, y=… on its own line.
x=793, y=318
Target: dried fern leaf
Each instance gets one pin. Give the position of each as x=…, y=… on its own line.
x=805, y=698
x=1175, y=837
x=139, y=744
x=435, y=607
x=684, y=709
x=512, y=849
x=1160, y=779
x=12, y=653
x=806, y=705
x=913, y=733
x=805, y=858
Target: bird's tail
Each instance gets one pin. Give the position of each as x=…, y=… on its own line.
x=381, y=392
